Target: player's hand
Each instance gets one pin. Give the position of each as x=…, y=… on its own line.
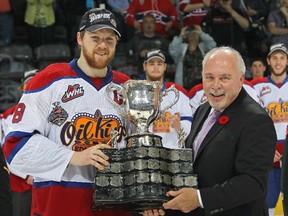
x=174, y=121
x=29, y=180
x=185, y=200
x=153, y=212
x=91, y=156
x=277, y=156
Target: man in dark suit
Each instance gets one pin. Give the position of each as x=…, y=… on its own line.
x=284, y=173
x=235, y=156
x=5, y=194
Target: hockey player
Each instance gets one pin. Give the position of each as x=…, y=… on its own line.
x=273, y=94
x=64, y=119
x=20, y=183
x=177, y=119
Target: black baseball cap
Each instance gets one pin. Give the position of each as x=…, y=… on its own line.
x=29, y=74
x=278, y=47
x=155, y=54
x=98, y=18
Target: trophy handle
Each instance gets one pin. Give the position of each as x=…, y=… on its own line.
x=165, y=93
x=110, y=87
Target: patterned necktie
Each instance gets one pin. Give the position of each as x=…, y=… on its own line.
x=212, y=118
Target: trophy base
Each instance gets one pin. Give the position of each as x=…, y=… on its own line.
x=134, y=205
x=138, y=178
x=143, y=140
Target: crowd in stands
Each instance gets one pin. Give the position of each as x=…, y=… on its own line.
x=248, y=26
x=184, y=30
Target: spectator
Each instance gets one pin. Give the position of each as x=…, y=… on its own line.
x=176, y=118
x=227, y=24
x=278, y=24
x=273, y=4
x=51, y=137
x=164, y=11
x=148, y=39
x=20, y=183
x=73, y=11
x=193, y=11
x=6, y=23
x=40, y=18
x=188, y=50
x=119, y=8
x=273, y=94
x=256, y=12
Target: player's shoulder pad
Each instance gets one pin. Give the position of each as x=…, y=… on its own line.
x=195, y=89
x=178, y=87
x=50, y=74
x=246, y=82
x=120, y=77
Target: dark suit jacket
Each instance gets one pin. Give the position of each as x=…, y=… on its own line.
x=284, y=171
x=234, y=159
x=5, y=194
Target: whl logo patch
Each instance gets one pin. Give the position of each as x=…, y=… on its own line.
x=73, y=92
x=265, y=90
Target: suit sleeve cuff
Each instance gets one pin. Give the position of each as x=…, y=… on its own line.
x=200, y=199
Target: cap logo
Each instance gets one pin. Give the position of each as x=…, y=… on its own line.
x=95, y=17
x=154, y=52
x=277, y=46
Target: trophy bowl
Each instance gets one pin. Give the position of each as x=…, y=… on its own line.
x=142, y=100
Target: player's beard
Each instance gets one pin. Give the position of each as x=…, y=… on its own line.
x=153, y=78
x=97, y=63
x=278, y=74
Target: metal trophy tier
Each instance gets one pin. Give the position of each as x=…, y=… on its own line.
x=140, y=174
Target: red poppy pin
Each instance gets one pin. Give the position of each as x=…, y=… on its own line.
x=223, y=120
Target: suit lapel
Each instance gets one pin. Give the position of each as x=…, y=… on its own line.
x=197, y=124
x=215, y=129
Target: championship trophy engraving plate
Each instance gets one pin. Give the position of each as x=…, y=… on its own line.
x=140, y=175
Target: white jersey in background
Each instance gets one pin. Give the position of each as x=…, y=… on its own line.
x=161, y=126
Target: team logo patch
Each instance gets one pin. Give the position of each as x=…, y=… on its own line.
x=278, y=111
x=58, y=115
x=86, y=130
x=162, y=125
x=73, y=92
x=265, y=90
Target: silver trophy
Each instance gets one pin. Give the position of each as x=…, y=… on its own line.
x=139, y=175
x=142, y=100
